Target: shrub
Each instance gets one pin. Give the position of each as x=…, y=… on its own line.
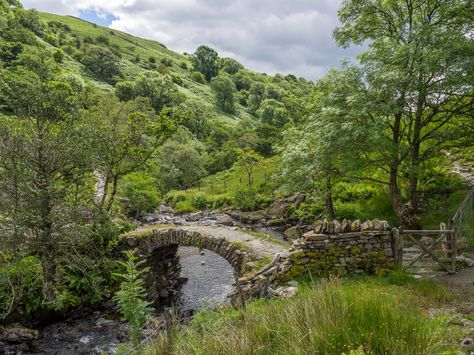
x=198, y=77
x=141, y=193
x=173, y=197
x=245, y=198
x=200, y=201
x=183, y=65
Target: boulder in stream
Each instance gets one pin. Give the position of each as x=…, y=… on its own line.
x=17, y=334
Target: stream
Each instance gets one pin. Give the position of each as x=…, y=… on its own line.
x=209, y=278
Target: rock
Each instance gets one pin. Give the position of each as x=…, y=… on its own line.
x=194, y=217
x=279, y=208
x=366, y=226
x=293, y=283
x=250, y=217
x=203, y=263
x=318, y=227
x=225, y=220
x=355, y=226
x=202, y=252
x=164, y=293
x=165, y=209
x=286, y=292
x=102, y=322
x=345, y=226
x=17, y=334
x=467, y=341
x=292, y=233
x=465, y=261
x=377, y=225
x=337, y=227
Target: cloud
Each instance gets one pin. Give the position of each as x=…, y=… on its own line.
x=266, y=35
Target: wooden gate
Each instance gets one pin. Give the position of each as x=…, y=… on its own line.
x=439, y=245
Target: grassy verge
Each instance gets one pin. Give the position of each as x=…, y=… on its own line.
x=333, y=317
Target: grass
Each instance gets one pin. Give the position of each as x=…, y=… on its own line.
x=131, y=47
x=331, y=317
x=224, y=182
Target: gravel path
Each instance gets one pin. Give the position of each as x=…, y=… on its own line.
x=260, y=248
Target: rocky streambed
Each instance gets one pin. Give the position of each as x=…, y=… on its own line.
x=208, y=279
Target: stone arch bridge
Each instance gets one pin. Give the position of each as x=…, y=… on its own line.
x=159, y=248
x=330, y=248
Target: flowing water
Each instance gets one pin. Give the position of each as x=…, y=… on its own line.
x=209, y=282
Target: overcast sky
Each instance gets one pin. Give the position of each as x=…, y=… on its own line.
x=285, y=36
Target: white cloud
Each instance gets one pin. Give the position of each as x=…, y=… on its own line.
x=266, y=35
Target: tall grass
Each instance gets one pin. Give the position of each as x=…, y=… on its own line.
x=330, y=318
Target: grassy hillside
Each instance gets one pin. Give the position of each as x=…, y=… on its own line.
x=131, y=47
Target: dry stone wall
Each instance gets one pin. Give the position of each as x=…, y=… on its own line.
x=331, y=248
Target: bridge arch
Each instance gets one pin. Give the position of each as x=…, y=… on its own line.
x=159, y=248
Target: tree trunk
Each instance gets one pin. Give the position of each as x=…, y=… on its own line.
x=114, y=192
x=405, y=214
x=329, y=201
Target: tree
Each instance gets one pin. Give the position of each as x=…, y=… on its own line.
x=46, y=163
x=159, y=89
x=224, y=89
x=131, y=134
x=414, y=92
x=102, y=62
x=273, y=112
x=256, y=96
x=248, y=159
x=205, y=60
x=230, y=65
x=180, y=162
x=197, y=117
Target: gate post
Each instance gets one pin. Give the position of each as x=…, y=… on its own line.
x=397, y=246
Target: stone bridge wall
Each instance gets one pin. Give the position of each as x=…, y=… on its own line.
x=332, y=248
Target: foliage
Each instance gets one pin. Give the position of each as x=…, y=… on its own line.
x=224, y=89
x=205, y=60
x=102, y=62
x=230, y=65
x=200, y=201
x=198, y=77
x=141, y=193
x=130, y=296
x=245, y=198
x=159, y=89
x=180, y=162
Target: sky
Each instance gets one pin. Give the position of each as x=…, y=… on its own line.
x=270, y=36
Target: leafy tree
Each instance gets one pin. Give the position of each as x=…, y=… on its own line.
x=273, y=112
x=242, y=81
x=125, y=90
x=248, y=159
x=46, y=157
x=102, y=62
x=131, y=134
x=197, y=117
x=198, y=77
x=415, y=89
x=58, y=56
x=180, y=162
x=256, y=96
x=230, y=65
x=159, y=89
x=224, y=89
x=205, y=60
